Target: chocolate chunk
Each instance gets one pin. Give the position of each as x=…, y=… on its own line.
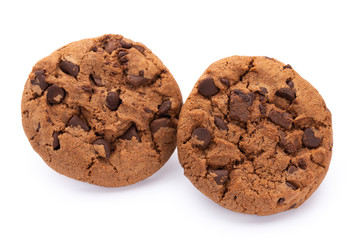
x=123, y=60
x=244, y=96
x=75, y=121
x=263, y=91
x=94, y=49
x=56, y=142
x=113, y=101
x=139, y=48
x=302, y=164
x=291, y=185
x=225, y=81
x=130, y=133
x=202, y=134
x=309, y=139
x=40, y=80
x=156, y=124
x=207, y=87
x=122, y=53
x=262, y=108
x=286, y=93
x=125, y=44
x=164, y=107
x=220, y=176
x=55, y=94
x=38, y=127
x=292, y=169
x=96, y=80
x=69, y=68
x=238, y=107
x=87, y=88
x=290, y=83
x=287, y=66
x=148, y=110
x=288, y=146
x=251, y=96
x=106, y=145
x=110, y=46
x=282, y=119
x=136, y=80
x=281, y=200
x=292, y=206
x=220, y=123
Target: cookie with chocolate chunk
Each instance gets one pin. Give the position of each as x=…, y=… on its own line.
x=254, y=136
x=102, y=110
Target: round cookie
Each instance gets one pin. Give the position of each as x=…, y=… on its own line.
x=102, y=110
x=254, y=136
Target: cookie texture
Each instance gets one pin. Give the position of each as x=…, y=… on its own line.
x=102, y=110
x=254, y=136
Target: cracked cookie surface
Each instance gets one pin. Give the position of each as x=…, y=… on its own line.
x=102, y=110
x=254, y=136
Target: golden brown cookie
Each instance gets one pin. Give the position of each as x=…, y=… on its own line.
x=102, y=110
x=254, y=136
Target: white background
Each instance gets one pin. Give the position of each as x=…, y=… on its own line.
x=320, y=39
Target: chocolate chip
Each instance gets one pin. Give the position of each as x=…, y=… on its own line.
x=286, y=93
x=110, y=46
x=130, y=133
x=288, y=146
x=262, y=108
x=220, y=176
x=309, y=139
x=281, y=200
x=225, y=81
x=148, y=110
x=220, y=123
x=291, y=185
x=139, y=48
x=55, y=94
x=123, y=60
x=136, y=80
x=203, y=135
x=290, y=83
x=207, y=87
x=96, y=80
x=56, y=142
x=244, y=96
x=38, y=127
x=122, y=53
x=125, y=44
x=282, y=119
x=86, y=88
x=94, y=49
x=106, y=145
x=164, y=107
x=292, y=206
x=287, y=66
x=113, y=101
x=302, y=164
x=263, y=91
x=141, y=73
x=69, y=68
x=75, y=121
x=292, y=169
x=40, y=80
x=156, y=124
x=238, y=107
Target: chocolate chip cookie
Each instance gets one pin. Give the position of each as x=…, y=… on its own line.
x=102, y=110
x=254, y=136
